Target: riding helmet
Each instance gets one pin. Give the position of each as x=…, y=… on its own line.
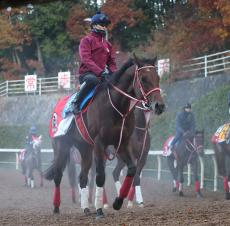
x=101, y=19
x=188, y=105
x=33, y=129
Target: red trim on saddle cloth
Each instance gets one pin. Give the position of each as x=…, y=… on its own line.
x=214, y=139
x=126, y=186
x=82, y=128
x=56, y=117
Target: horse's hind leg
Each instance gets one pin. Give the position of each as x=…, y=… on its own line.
x=125, y=156
x=72, y=175
x=61, y=148
x=181, y=179
x=137, y=182
x=116, y=174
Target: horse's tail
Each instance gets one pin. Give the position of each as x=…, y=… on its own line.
x=49, y=173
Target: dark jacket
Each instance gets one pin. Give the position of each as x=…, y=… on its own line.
x=95, y=53
x=29, y=141
x=185, y=121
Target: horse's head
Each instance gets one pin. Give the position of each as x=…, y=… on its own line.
x=146, y=83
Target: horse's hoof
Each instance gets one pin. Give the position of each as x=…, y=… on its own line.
x=117, y=204
x=227, y=196
x=174, y=189
x=199, y=195
x=130, y=204
x=56, y=210
x=99, y=214
x=106, y=206
x=141, y=204
x=181, y=194
x=87, y=211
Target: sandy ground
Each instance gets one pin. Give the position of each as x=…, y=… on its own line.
x=20, y=205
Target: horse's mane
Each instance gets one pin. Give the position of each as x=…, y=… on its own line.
x=114, y=78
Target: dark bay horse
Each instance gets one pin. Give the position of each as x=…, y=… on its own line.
x=187, y=152
x=221, y=148
x=110, y=121
x=31, y=162
x=140, y=141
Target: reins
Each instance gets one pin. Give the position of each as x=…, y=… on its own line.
x=195, y=148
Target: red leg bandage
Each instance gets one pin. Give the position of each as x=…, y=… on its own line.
x=126, y=186
x=57, y=197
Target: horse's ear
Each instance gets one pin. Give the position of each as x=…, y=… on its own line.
x=136, y=60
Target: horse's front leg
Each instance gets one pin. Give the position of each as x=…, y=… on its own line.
x=194, y=165
x=100, y=176
x=127, y=183
x=86, y=162
x=174, y=172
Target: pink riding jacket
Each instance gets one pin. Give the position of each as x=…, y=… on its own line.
x=95, y=53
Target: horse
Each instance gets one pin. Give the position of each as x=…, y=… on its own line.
x=221, y=146
x=186, y=152
x=140, y=141
x=110, y=123
x=31, y=162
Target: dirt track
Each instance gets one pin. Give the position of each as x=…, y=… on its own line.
x=23, y=206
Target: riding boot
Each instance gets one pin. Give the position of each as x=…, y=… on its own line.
x=76, y=105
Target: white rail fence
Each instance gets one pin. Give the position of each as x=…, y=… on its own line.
x=157, y=154
x=205, y=65
x=208, y=64
x=44, y=86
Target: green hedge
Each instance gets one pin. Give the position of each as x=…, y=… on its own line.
x=211, y=111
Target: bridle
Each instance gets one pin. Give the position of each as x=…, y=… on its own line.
x=133, y=100
x=137, y=83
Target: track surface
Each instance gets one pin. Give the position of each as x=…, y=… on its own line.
x=23, y=206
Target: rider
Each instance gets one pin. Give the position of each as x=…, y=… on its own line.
x=29, y=139
x=97, y=57
x=185, y=122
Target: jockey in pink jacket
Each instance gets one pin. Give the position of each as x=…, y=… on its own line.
x=97, y=57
